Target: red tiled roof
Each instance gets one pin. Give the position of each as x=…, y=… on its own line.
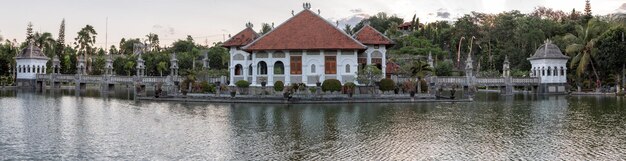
x=242, y=38
x=305, y=31
x=370, y=36
x=405, y=24
x=392, y=68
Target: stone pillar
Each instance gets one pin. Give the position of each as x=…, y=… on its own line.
x=254, y=72
x=232, y=75
x=141, y=69
x=270, y=74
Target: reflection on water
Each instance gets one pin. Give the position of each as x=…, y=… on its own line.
x=60, y=126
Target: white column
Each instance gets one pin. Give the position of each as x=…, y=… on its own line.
x=305, y=66
x=384, y=60
x=287, y=65
x=322, y=69
x=340, y=68
x=369, y=56
x=254, y=74
x=270, y=74
x=232, y=73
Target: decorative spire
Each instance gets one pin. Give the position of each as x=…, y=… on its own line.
x=249, y=25
x=319, y=12
x=306, y=6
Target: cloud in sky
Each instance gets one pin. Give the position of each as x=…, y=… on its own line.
x=175, y=19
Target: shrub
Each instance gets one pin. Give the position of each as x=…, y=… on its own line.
x=444, y=68
x=242, y=84
x=387, y=84
x=279, y=86
x=408, y=86
x=423, y=86
x=332, y=85
x=207, y=87
x=298, y=87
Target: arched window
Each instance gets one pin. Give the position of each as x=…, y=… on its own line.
x=38, y=70
x=312, y=68
x=19, y=69
x=562, y=71
x=347, y=68
x=28, y=67
x=279, y=68
x=543, y=71
x=238, y=69
x=549, y=68
x=262, y=68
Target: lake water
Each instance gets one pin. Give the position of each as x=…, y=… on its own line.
x=62, y=126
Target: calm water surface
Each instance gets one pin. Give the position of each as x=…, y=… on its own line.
x=62, y=126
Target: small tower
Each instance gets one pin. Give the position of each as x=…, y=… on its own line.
x=430, y=60
x=141, y=68
x=56, y=65
x=80, y=67
x=30, y=62
x=174, y=65
x=205, y=60
x=506, y=71
x=469, y=69
x=108, y=67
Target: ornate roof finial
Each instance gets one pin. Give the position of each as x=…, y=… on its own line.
x=292, y=13
x=249, y=24
x=306, y=6
x=319, y=12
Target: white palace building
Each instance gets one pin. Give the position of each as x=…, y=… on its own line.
x=304, y=49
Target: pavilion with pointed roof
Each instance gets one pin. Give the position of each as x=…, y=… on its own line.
x=306, y=48
x=30, y=62
x=549, y=64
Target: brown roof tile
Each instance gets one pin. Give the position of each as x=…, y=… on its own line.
x=242, y=38
x=370, y=36
x=305, y=31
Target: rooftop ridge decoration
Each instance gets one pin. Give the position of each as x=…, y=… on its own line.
x=306, y=6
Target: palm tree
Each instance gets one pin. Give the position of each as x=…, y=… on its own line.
x=420, y=69
x=45, y=42
x=84, y=42
x=162, y=66
x=581, y=47
x=129, y=66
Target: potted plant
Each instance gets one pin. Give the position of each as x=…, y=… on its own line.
x=263, y=82
x=317, y=81
x=242, y=85
x=233, y=93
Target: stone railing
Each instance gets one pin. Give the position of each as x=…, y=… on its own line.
x=450, y=80
x=490, y=81
x=533, y=80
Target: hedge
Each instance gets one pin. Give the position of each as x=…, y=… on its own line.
x=279, y=86
x=332, y=85
x=242, y=84
x=387, y=85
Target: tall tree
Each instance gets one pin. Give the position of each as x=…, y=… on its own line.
x=84, y=43
x=29, y=32
x=348, y=29
x=582, y=47
x=61, y=40
x=265, y=28
x=153, y=41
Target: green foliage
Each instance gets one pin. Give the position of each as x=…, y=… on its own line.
x=242, y=84
x=279, y=86
x=611, y=48
x=369, y=74
x=349, y=87
x=423, y=86
x=409, y=86
x=387, y=84
x=519, y=73
x=381, y=22
x=207, y=87
x=98, y=64
x=444, y=68
x=332, y=85
x=420, y=69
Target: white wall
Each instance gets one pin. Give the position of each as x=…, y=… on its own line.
x=33, y=64
x=539, y=64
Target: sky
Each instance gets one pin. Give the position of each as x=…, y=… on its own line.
x=209, y=21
